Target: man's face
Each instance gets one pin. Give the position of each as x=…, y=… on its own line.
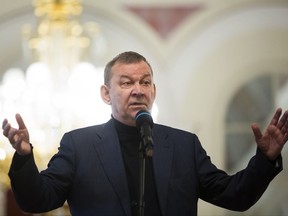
x=131, y=89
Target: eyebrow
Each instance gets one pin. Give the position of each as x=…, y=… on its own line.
x=144, y=76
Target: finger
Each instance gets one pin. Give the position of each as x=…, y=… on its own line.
x=276, y=135
x=257, y=132
x=11, y=133
x=20, y=121
x=284, y=128
x=12, y=136
x=6, y=129
x=276, y=117
x=4, y=123
x=283, y=120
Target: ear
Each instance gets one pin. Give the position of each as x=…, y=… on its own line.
x=105, y=94
x=154, y=90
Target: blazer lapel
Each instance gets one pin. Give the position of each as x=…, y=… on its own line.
x=109, y=152
x=162, y=162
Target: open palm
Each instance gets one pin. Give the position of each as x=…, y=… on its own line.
x=275, y=136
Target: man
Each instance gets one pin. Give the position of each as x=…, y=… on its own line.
x=96, y=168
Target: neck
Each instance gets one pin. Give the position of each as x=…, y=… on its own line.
x=128, y=122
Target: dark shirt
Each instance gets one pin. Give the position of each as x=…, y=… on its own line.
x=129, y=138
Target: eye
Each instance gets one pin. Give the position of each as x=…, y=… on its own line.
x=146, y=82
x=126, y=84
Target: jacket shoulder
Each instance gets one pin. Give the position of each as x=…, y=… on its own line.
x=172, y=130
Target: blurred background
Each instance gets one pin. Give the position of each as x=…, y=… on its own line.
x=218, y=66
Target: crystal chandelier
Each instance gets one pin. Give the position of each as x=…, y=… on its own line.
x=59, y=40
x=59, y=90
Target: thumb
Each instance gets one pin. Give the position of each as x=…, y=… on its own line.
x=257, y=132
x=20, y=121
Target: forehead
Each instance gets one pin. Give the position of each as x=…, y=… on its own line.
x=131, y=69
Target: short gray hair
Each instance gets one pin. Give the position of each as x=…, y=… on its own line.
x=128, y=57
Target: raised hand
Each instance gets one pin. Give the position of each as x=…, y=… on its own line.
x=275, y=136
x=19, y=138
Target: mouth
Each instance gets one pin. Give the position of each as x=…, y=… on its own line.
x=137, y=105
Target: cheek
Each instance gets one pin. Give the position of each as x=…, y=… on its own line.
x=120, y=99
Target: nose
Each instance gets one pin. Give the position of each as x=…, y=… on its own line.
x=137, y=89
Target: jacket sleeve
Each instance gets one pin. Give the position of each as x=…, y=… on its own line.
x=43, y=191
x=236, y=192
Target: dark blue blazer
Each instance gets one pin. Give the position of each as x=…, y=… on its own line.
x=88, y=171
